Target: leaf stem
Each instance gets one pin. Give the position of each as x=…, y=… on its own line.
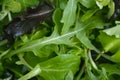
x=31, y=74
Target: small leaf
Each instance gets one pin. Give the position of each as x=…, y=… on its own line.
x=109, y=43
x=116, y=56
x=87, y=3
x=69, y=15
x=28, y=3
x=88, y=14
x=102, y=3
x=13, y=6
x=111, y=7
x=3, y=14
x=114, y=31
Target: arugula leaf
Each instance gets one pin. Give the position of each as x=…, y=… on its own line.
x=111, y=7
x=96, y=22
x=56, y=68
x=66, y=47
x=88, y=14
x=88, y=3
x=101, y=3
x=109, y=43
x=3, y=14
x=69, y=15
x=112, y=69
x=12, y=6
x=114, y=31
x=28, y=3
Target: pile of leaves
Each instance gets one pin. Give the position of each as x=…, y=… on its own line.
x=80, y=42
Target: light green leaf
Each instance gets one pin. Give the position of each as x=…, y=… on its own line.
x=46, y=51
x=88, y=14
x=63, y=4
x=69, y=15
x=69, y=76
x=116, y=56
x=12, y=6
x=114, y=31
x=111, y=7
x=3, y=14
x=92, y=23
x=56, y=68
x=102, y=3
x=109, y=43
x=87, y=3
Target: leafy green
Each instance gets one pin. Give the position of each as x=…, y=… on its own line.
x=28, y=3
x=87, y=3
x=80, y=41
x=112, y=69
x=87, y=26
x=102, y=3
x=69, y=15
x=12, y=5
x=114, y=31
x=56, y=68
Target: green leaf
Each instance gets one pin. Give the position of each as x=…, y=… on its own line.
x=3, y=14
x=102, y=3
x=46, y=51
x=114, y=31
x=56, y=68
x=57, y=15
x=1, y=69
x=55, y=38
x=32, y=60
x=28, y=3
x=116, y=56
x=111, y=7
x=69, y=76
x=69, y=15
x=12, y=6
x=87, y=3
x=111, y=68
x=63, y=4
x=109, y=43
x=88, y=14
x=92, y=23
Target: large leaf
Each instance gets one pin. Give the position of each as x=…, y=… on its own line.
x=111, y=68
x=112, y=44
x=92, y=23
x=56, y=68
